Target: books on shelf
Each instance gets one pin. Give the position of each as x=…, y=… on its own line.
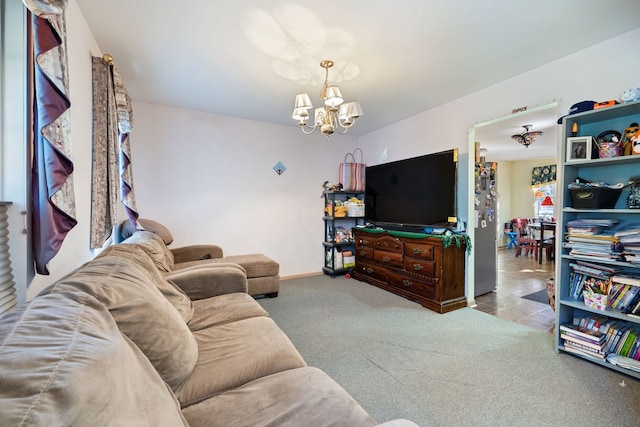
x=624, y=293
x=604, y=337
x=576, y=349
x=629, y=236
x=628, y=229
x=586, y=335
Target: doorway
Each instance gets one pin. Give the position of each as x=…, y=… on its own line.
x=514, y=277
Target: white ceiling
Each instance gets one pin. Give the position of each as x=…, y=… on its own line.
x=495, y=135
x=249, y=58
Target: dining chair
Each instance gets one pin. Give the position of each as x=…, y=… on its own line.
x=525, y=240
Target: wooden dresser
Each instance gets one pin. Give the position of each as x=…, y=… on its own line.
x=413, y=265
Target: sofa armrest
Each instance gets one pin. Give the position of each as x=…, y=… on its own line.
x=204, y=281
x=196, y=252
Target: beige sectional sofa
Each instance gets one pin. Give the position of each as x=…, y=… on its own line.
x=116, y=342
x=263, y=273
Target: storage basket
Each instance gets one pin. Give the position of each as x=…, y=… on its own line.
x=336, y=211
x=594, y=198
x=356, y=209
x=594, y=300
x=609, y=149
x=340, y=211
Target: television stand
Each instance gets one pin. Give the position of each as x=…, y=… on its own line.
x=425, y=268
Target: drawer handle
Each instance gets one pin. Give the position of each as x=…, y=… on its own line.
x=417, y=251
x=406, y=282
x=417, y=267
x=363, y=253
x=386, y=259
x=369, y=270
x=364, y=242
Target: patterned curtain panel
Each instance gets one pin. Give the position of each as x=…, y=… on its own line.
x=125, y=122
x=53, y=202
x=111, y=151
x=104, y=173
x=542, y=175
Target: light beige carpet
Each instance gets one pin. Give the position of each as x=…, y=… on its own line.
x=464, y=368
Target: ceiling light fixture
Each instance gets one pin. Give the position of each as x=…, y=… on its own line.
x=527, y=137
x=334, y=115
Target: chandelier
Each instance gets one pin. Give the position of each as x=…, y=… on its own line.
x=334, y=115
x=527, y=137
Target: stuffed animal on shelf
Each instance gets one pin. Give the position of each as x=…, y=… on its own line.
x=627, y=139
x=635, y=143
x=629, y=95
x=327, y=186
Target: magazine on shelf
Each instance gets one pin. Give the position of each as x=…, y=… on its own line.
x=591, y=335
x=628, y=229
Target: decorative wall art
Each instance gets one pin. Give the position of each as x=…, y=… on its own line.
x=279, y=168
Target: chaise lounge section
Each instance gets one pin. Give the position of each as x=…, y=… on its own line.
x=263, y=273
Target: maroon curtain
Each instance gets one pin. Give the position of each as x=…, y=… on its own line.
x=52, y=189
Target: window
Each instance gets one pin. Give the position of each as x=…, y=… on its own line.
x=544, y=201
x=14, y=116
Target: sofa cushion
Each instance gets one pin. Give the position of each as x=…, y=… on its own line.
x=153, y=245
x=297, y=397
x=257, y=265
x=176, y=296
x=236, y=353
x=127, y=230
x=201, y=282
x=64, y=362
x=223, y=309
x=121, y=279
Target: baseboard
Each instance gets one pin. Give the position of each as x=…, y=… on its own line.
x=300, y=276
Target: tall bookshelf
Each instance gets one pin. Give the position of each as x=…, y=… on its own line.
x=611, y=170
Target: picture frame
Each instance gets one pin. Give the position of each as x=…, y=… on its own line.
x=579, y=148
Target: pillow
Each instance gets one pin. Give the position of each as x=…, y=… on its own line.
x=120, y=278
x=155, y=247
x=64, y=362
x=127, y=229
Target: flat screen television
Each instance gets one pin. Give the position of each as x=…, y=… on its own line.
x=413, y=193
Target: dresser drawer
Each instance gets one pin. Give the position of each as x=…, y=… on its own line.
x=419, y=250
x=420, y=266
x=389, y=244
x=413, y=285
x=364, y=252
x=388, y=258
x=372, y=270
x=364, y=241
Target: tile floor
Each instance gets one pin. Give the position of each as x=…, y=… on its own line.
x=517, y=277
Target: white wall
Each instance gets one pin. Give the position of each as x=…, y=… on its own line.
x=210, y=179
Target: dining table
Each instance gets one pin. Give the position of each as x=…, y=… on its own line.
x=539, y=229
